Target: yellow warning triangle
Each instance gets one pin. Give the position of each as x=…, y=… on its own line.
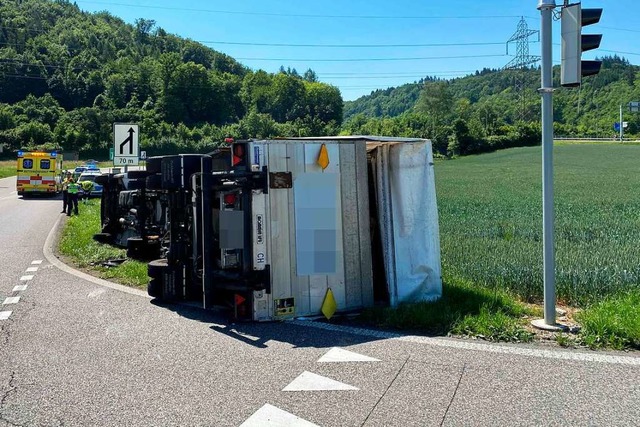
x=329, y=305
x=323, y=157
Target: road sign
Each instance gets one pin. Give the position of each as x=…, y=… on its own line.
x=616, y=126
x=125, y=144
x=143, y=155
x=634, y=107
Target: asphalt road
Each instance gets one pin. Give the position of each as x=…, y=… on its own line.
x=74, y=352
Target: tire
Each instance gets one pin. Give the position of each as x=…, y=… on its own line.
x=154, y=288
x=142, y=249
x=103, y=179
x=157, y=267
x=137, y=174
x=102, y=237
x=135, y=247
x=175, y=168
x=154, y=182
x=135, y=184
x=154, y=164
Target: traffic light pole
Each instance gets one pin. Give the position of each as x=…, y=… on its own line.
x=546, y=8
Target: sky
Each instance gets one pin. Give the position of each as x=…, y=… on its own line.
x=363, y=45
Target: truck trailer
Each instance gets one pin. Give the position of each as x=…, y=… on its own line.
x=267, y=229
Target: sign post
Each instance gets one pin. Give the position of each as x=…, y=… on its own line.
x=125, y=144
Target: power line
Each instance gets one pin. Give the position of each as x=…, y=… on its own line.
x=619, y=51
x=319, y=45
x=389, y=77
x=350, y=45
x=299, y=15
x=410, y=73
x=368, y=59
x=619, y=29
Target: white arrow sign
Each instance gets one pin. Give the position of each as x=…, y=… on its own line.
x=125, y=144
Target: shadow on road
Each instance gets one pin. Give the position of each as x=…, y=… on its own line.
x=257, y=334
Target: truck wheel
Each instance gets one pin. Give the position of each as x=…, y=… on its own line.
x=175, y=168
x=135, y=247
x=157, y=267
x=154, y=164
x=137, y=174
x=154, y=182
x=103, y=179
x=135, y=184
x=102, y=237
x=154, y=288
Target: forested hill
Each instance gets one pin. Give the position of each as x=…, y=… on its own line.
x=66, y=76
x=488, y=101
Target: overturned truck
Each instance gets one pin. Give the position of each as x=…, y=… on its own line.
x=268, y=227
x=132, y=212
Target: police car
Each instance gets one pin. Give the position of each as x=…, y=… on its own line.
x=90, y=175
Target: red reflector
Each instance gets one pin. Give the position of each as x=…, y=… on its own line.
x=239, y=299
x=236, y=160
x=229, y=199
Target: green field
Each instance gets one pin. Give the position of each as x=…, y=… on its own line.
x=490, y=209
x=7, y=168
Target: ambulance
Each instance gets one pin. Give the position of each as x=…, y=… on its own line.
x=39, y=172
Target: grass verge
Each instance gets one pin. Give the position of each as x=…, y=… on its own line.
x=612, y=323
x=77, y=245
x=464, y=309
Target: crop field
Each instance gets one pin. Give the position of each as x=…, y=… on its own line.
x=490, y=209
x=7, y=168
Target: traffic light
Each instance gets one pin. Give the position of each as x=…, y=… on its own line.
x=573, y=68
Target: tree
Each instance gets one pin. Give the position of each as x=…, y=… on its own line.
x=310, y=76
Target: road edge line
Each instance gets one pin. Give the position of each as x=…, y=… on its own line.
x=577, y=356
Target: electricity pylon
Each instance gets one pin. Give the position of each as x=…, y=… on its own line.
x=521, y=63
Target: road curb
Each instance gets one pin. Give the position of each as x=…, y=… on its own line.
x=53, y=259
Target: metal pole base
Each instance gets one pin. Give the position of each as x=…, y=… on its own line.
x=556, y=327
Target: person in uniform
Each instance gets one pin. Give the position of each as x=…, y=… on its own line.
x=72, y=194
x=65, y=185
x=87, y=187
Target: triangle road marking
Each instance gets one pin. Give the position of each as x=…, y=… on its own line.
x=337, y=354
x=270, y=416
x=308, y=381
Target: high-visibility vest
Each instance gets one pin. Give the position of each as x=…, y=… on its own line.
x=65, y=184
x=86, y=186
x=73, y=188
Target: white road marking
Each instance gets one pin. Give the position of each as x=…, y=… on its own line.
x=96, y=293
x=308, y=381
x=270, y=416
x=4, y=315
x=19, y=288
x=11, y=300
x=38, y=261
x=473, y=346
x=341, y=355
x=27, y=277
x=32, y=269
